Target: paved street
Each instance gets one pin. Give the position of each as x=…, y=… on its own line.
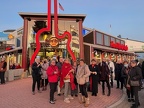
x=126, y=104
x=17, y=94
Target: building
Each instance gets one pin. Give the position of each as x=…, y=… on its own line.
x=12, y=47
x=50, y=45
x=100, y=45
x=134, y=45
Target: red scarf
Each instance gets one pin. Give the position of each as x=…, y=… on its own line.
x=66, y=67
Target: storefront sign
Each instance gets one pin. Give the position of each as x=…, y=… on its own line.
x=118, y=46
x=53, y=42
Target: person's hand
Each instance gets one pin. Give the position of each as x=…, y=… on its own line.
x=1, y=68
x=55, y=72
x=72, y=70
x=95, y=73
x=38, y=65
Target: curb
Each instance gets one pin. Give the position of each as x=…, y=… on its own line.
x=119, y=102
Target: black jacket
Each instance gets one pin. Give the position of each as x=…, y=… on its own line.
x=95, y=68
x=135, y=74
x=36, y=70
x=118, y=69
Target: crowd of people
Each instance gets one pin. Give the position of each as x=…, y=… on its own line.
x=15, y=66
x=77, y=78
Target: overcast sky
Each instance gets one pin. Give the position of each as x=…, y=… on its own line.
x=126, y=17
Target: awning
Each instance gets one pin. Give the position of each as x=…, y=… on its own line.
x=16, y=49
x=108, y=49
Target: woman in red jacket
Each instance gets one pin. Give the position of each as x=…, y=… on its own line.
x=52, y=73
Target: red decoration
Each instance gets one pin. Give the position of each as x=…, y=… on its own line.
x=118, y=46
x=63, y=36
x=8, y=48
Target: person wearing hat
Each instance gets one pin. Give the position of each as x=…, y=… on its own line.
x=3, y=66
x=94, y=77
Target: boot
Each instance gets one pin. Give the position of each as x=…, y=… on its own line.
x=109, y=92
x=87, y=102
x=82, y=100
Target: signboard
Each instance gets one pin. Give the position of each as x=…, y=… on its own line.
x=118, y=46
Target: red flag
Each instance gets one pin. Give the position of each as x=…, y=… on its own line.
x=60, y=6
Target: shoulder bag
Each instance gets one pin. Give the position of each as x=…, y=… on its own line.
x=134, y=83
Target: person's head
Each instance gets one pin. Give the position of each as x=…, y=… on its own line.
x=93, y=62
x=82, y=62
x=67, y=60
x=45, y=61
x=133, y=63
x=108, y=60
x=3, y=58
x=104, y=59
x=118, y=61
x=53, y=62
x=74, y=63
x=61, y=59
x=37, y=60
x=125, y=64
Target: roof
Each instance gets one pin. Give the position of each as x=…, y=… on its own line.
x=44, y=15
x=9, y=30
x=132, y=40
x=2, y=34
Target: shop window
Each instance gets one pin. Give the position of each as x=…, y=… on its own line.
x=106, y=40
x=99, y=38
x=117, y=41
x=18, y=42
x=113, y=39
x=122, y=42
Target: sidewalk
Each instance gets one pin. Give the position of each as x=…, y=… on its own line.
x=126, y=104
x=17, y=94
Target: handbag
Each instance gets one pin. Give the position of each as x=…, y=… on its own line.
x=134, y=83
x=67, y=77
x=82, y=80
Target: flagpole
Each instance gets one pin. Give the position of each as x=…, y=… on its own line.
x=58, y=6
x=110, y=29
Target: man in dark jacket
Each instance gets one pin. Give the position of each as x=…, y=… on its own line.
x=135, y=75
x=104, y=76
x=36, y=75
x=118, y=69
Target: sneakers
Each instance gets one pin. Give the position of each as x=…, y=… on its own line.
x=132, y=100
x=33, y=93
x=51, y=102
x=70, y=97
x=129, y=100
x=59, y=94
x=39, y=91
x=66, y=100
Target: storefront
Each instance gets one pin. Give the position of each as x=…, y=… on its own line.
x=50, y=45
x=100, y=45
x=12, y=48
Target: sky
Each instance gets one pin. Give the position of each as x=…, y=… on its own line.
x=126, y=17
